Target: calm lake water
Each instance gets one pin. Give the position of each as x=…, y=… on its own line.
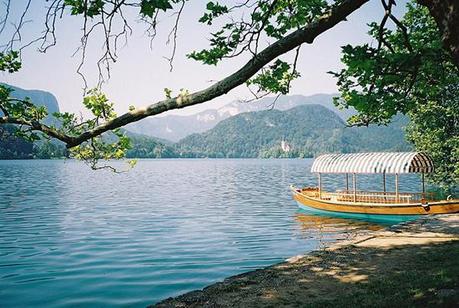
x=72, y=236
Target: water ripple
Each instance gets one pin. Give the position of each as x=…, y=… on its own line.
x=73, y=237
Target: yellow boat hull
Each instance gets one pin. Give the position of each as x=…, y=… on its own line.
x=433, y=207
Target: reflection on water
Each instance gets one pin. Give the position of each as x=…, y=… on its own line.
x=325, y=229
x=333, y=224
x=74, y=237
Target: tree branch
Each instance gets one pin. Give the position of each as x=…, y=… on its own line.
x=306, y=34
x=36, y=126
x=446, y=15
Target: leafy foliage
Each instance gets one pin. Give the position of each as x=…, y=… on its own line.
x=149, y=7
x=411, y=73
x=93, y=8
x=434, y=129
x=275, y=79
x=271, y=19
x=9, y=61
x=268, y=20
x=25, y=111
x=12, y=147
x=89, y=8
x=214, y=10
x=96, y=148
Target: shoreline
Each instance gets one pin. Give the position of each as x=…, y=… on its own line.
x=414, y=263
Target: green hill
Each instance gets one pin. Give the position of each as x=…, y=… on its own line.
x=306, y=130
x=149, y=147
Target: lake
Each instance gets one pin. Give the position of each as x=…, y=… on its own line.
x=73, y=236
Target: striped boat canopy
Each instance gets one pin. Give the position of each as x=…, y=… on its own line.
x=379, y=162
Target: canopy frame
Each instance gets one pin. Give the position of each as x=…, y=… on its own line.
x=370, y=163
x=377, y=162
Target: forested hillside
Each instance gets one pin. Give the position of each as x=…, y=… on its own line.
x=149, y=147
x=306, y=131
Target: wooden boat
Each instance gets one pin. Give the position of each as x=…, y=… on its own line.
x=371, y=204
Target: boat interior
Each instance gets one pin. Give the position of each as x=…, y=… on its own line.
x=368, y=196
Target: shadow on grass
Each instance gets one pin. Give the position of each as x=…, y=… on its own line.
x=407, y=273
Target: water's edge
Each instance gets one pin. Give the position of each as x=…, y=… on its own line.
x=431, y=228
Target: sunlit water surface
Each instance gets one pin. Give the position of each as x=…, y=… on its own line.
x=72, y=236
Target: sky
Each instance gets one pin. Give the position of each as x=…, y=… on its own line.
x=141, y=73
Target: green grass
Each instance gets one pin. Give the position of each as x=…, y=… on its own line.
x=426, y=276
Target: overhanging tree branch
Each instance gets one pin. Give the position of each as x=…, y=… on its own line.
x=306, y=34
x=37, y=126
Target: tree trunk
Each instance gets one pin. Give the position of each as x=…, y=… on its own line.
x=446, y=15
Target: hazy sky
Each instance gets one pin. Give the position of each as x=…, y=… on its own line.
x=140, y=74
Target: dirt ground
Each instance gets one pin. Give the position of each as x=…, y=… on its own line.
x=412, y=264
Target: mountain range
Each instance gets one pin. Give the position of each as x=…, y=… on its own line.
x=295, y=126
x=302, y=131
x=176, y=127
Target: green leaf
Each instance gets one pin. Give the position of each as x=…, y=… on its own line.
x=149, y=7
